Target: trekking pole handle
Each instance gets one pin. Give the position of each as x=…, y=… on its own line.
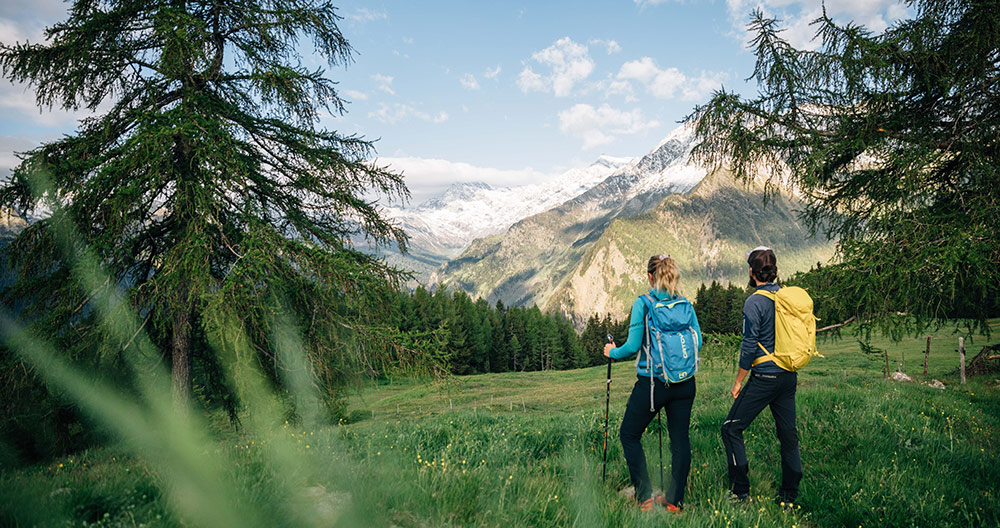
x=611, y=339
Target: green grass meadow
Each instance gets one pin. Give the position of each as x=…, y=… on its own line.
x=524, y=449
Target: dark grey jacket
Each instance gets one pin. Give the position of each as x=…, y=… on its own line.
x=758, y=327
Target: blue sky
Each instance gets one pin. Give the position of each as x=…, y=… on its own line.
x=504, y=92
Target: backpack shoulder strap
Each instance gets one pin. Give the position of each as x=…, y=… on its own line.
x=765, y=358
x=765, y=293
x=767, y=355
x=648, y=300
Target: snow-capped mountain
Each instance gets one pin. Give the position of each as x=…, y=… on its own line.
x=446, y=224
x=585, y=256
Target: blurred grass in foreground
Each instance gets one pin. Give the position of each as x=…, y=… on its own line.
x=523, y=449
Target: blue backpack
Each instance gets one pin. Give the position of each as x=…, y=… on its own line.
x=671, y=344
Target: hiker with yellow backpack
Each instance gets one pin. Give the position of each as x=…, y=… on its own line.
x=779, y=337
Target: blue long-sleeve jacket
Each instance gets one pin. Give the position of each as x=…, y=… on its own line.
x=758, y=327
x=637, y=330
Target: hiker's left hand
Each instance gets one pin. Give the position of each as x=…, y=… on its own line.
x=607, y=349
x=735, y=391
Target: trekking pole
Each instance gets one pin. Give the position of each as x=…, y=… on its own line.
x=607, y=408
x=659, y=428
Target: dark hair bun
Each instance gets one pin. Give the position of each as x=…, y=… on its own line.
x=764, y=265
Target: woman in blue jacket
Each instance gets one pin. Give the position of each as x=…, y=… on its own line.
x=650, y=393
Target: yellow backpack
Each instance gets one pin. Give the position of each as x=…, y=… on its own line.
x=794, y=329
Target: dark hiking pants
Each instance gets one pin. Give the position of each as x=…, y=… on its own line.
x=778, y=392
x=675, y=400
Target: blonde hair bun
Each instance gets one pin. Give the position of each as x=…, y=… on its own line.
x=666, y=274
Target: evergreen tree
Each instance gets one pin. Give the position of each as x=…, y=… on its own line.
x=482, y=333
x=591, y=340
x=735, y=297
x=459, y=343
x=422, y=309
x=699, y=298
x=514, y=351
x=498, y=340
x=892, y=139
x=207, y=189
x=569, y=342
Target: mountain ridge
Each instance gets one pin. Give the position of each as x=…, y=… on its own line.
x=563, y=259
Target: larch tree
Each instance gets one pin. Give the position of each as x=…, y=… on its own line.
x=207, y=189
x=893, y=138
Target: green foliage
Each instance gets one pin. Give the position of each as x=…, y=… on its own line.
x=720, y=310
x=720, y=349
x=207, y=191
x=481, y=338
x=891, y=138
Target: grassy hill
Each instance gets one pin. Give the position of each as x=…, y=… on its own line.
x=524, y=449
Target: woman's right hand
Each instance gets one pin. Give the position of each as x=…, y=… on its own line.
x=607, y=349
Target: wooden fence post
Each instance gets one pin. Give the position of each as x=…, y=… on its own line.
x=927, y=354
x=885, y=352
x=961, y=355
x=902, y=364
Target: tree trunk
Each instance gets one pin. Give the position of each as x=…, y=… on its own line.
x=182, y=311
x=181, y=356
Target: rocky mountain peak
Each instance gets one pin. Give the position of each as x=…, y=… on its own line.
x=11, y=224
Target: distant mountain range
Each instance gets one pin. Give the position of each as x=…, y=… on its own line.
x=447, y=224
x=444, y=226
x=587, y=255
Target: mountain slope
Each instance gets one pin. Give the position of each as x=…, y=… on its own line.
x=707, y=231
x=527, y=264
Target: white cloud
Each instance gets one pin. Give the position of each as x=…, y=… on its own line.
x=602, y=125
x=8, y=146
x=492, y=73
x=425, y=176
x=644, y=3
x=20, y=31
x=356, y=95
x=643, y=70
x=363, y=14
x=797, y=15
x=612, y=86
x=611, y=45
x=568, y=63
x=669, y=83
x=469, y=82
x=19, y=100
x=397, y=112
x=530, y=81
x=384, y=83
x=36, y=10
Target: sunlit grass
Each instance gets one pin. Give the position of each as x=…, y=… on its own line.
x=523, y=449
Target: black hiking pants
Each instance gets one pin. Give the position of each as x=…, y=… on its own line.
x=675, y=400
x=762, y=390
